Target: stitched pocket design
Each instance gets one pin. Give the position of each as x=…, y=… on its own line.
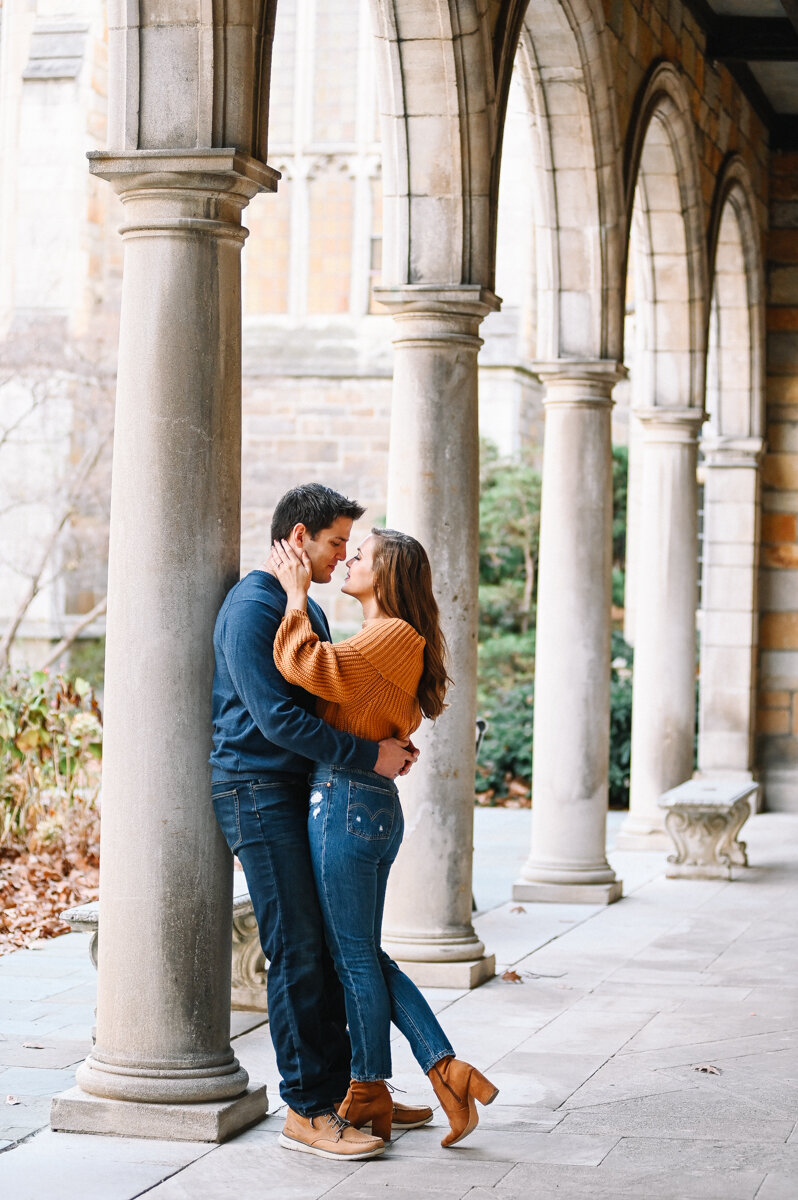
x=369, y=812
x=229, y=818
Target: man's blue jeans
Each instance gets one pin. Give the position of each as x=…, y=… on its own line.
x=355, y=828
x=264, y=822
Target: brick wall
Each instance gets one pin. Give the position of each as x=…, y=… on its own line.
x=777, y=721
x=646, y=31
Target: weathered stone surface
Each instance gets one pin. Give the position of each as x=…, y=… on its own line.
x=75, y=1111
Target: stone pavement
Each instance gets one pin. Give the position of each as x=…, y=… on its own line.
x=602, y=1052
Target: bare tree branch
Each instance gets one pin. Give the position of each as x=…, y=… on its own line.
x=74, y=633
x=5, y=434
x=84, y=470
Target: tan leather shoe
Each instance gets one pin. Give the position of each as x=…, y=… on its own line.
x=458, y=1086
x=328, y=1136
x=368, y=1104
x=410, y=1116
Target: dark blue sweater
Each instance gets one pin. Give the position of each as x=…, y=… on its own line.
x=261, y=723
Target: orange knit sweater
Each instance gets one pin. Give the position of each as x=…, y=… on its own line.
x=367, y=684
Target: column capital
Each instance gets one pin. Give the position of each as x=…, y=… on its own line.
x=213, y=169
x=183, y=192
x=435, y=316
x=584, y=383
x=722, y=451
x=662, y=424
x=455, y=299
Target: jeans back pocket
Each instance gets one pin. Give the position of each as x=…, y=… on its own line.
x=369, y=812
x=228, y=815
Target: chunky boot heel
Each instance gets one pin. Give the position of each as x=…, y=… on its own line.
x=368, y=1104
x=482, y=1088
x=381, y=1124
x=458, y=1086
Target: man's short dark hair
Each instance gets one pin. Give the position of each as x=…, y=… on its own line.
x=313, y=505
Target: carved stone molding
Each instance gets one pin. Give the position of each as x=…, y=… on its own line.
x=249, y=965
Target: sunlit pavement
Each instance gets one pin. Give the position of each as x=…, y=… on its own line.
x=648, y=1049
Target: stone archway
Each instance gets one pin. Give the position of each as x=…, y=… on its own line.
x=732, y=445
x=668, y=260
x=577, y=182
x=436, y=84
x=578, y=233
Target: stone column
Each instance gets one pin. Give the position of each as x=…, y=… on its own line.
x=162, y=1065
x=663, y=704
x=433, y=494
x=729, y=607
x=568, y=861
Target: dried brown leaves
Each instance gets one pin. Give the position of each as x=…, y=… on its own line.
x=36, y=887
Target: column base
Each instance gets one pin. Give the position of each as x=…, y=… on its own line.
x=656, y=839
x=75, y=1111
x=460, y=975
x=568, y=893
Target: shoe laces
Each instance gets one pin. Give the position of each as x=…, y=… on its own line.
x=337, y=1124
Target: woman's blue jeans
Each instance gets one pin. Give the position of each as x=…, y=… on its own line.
x=355, y=828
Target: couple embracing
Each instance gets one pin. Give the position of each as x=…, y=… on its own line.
x=308, y=738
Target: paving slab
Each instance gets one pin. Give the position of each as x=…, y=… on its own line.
x=23, y=988
x=545, y=1079
x=488, y=1144
x=778, y=1187
x=84, y=1167
x=690, y=1113
x=717, y=1155
x=585, y=1032
x=42, y=1052
x=541, y=1182
x=593, y=1051
x=677, y=1029
x=719, y=1052
x=454, y=1175
x=622, y=1078
x=518, y=1117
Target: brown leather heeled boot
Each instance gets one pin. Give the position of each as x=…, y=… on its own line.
x=366, y=1103
x=458, y=1086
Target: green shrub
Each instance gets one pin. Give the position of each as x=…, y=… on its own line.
x=505, y=699
x=87, y=661
x=620, y=721
x=509, y=533
x=506, y=751
x=50, y=751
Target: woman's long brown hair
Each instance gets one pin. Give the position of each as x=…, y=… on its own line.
x=403, y=588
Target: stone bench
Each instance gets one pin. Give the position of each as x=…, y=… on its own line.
x=249, y=966
x=703, y=818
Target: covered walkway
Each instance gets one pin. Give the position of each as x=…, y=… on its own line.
x=602, y=1051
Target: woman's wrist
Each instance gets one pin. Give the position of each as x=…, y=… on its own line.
x=297, y=600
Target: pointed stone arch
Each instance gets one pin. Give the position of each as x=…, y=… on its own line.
x=663, y=200
x=562, y=58
x=437, y=104
x=735, y=380
x=669, y=266
x=733, y=446
x=578, y=236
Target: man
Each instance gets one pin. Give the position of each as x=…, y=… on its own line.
x=265, y=735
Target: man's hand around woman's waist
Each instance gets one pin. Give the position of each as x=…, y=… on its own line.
x=396, y=757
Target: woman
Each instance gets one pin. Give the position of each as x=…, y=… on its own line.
x=376, y=684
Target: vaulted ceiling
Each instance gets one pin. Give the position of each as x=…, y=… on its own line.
x=758, y=41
